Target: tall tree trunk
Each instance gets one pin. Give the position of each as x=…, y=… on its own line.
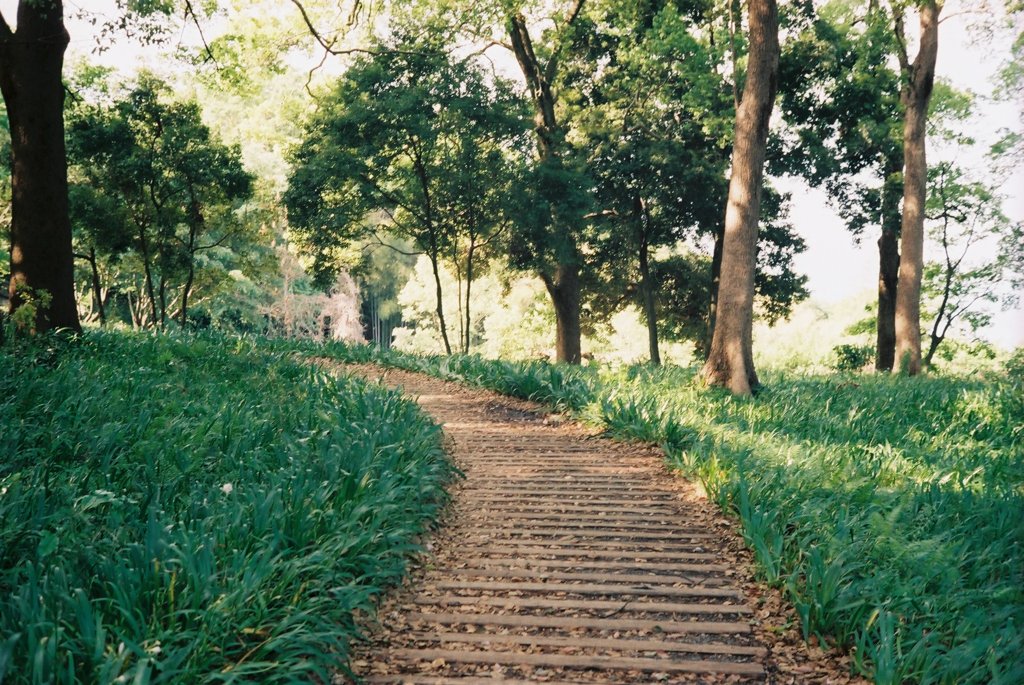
x=562, y=282
x=730, y=362
x=716, y=279
x=642, y=219
x=162, y=290
x=440, y=303
x=195, y=225
x=147, y=269
x=916, y=93
x=564, y=289
x=185, y=291
x=888, y=267
x=469, y=286
x=97, y=287
x=31, y=61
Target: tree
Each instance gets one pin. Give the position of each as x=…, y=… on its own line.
x=918, y=79
x=31, y=62
x=176, y=188
x=730, y=360
x=966, y=215
x=412, y=143
x=650, y=129
x=840, y=100
x=555, y=240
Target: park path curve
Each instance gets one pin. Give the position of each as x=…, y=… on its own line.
x=565, y=557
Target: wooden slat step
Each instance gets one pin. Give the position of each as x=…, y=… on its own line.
x=589, y=589
x=583, y=623
x=574, y=661
x=556, y=532
x=581, y=481
x=514, y=496
x=651, y=520
x=533, y=488
x=590, y=553
x=489, y=563
x=567, y=543
x=454, y=680
x=481, y=505
x=593, y=643
x=496, y=572
x=615, y=606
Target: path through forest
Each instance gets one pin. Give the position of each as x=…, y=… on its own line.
x=567, y=557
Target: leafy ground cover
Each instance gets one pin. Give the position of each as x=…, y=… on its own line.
x=891, y=510
x=197, y=510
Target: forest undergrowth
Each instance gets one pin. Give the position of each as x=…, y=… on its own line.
x=198, y=509
x=890, y=510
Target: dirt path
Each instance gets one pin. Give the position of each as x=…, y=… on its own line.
x=575, y=559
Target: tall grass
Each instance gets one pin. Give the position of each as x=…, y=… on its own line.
x=197, y=510
x=891, y=510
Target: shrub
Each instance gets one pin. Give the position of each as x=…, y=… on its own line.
x=852, y=357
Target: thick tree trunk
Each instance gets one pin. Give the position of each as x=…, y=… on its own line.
x=564, y=289
x=918, y=80
x=563, y=285
x=31, y=61
x=730, y=362
x=888, y=270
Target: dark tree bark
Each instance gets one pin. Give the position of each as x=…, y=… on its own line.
x=888, y=270
x=195, y=225
x=730, y=362
x=147, y=270
x=470, y=254
x=563, y=283
x=564, y=289
x=642, y=219
x=716, y=279
x=31, y=61
x=918, y=79
x=97, y=286
x=440, y=302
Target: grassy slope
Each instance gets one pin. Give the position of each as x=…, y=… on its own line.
x=892, y=510
x=197, y=510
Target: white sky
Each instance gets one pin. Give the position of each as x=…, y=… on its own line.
x=837, y=268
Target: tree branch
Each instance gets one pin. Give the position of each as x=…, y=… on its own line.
x=552, y=65
x=899, y=31
x=328, y=45
x=381, y=243
x=191, y=12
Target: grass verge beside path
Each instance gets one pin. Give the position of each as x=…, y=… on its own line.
x=198, y=510
x=891, y=510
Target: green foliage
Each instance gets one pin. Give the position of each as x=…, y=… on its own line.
x=34, y=302
x=852, y=357
x=148, y=177
x=965, y=218
x=413, y=143
x=888, y=511
x=845, y=131
x=197, y=510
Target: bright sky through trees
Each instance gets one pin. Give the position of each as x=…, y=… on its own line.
x=837, y=268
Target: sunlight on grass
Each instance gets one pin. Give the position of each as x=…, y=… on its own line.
x=198, y=510
x=891, y=510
